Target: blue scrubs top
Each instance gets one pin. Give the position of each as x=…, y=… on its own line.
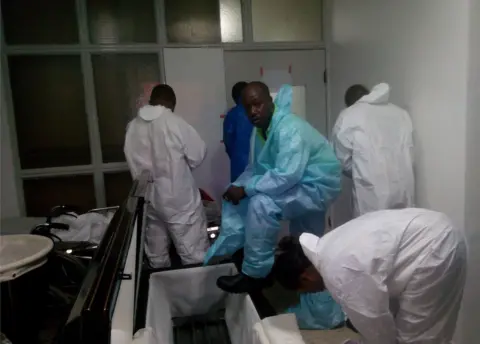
x=237, y=131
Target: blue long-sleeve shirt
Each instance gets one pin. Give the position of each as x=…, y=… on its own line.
x=237, y=131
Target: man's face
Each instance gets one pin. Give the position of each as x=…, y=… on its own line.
x=258, y=105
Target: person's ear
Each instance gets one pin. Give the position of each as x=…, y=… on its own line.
x=305, y=277
x=307, y=280
x=311, y=281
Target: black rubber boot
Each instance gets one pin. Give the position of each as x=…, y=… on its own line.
x=241, y=283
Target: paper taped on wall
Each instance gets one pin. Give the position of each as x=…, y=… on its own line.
x=298, y=101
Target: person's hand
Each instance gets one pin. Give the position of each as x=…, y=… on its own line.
x=234, y=194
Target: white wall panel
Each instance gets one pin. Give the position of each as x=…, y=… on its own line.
x=197, y=76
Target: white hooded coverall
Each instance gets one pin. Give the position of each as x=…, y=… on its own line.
x=169, y=148
x=398, y=274
x=373, y=141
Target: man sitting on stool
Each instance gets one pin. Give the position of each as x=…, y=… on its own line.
x=295, y=176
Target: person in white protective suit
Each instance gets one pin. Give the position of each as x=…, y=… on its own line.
x=398, y=274
x=373, y=140
x=162, y=143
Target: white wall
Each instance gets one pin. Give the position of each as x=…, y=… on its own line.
x=188, y=70
x=9, y=201
x=422, y=48
x=469, y=323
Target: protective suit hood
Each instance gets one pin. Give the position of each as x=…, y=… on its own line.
x=149, y=112
x=283, y=100
x=380, y=94
x=311, y=245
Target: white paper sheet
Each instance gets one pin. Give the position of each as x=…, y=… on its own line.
x=187, y=292
x=299, y=101
x=274, y=78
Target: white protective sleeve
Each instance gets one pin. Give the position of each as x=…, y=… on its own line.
x=134, y=170
x=194, y=147
x=342, y=144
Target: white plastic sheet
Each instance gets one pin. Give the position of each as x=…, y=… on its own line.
x=279, y=329
x=86, y=227
x=181, y=293
x=188, y=292
x=144, y=336
x=241, y=317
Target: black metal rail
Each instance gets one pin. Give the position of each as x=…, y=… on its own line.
x=90, y=318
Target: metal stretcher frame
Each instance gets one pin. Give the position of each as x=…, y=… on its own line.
x=91, y=314
x=89, y=321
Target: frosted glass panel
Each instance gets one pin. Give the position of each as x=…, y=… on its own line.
x=49, y=108
x=231, y=20
x=44, y=193
x=121, y=21
x=119, y=81
x=117, y=187
x=192, y=21
x=287, y=20
x=40, y=21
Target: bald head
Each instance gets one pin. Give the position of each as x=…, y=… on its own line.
x=258, y=104
x=259, y=87
x=354, y=93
